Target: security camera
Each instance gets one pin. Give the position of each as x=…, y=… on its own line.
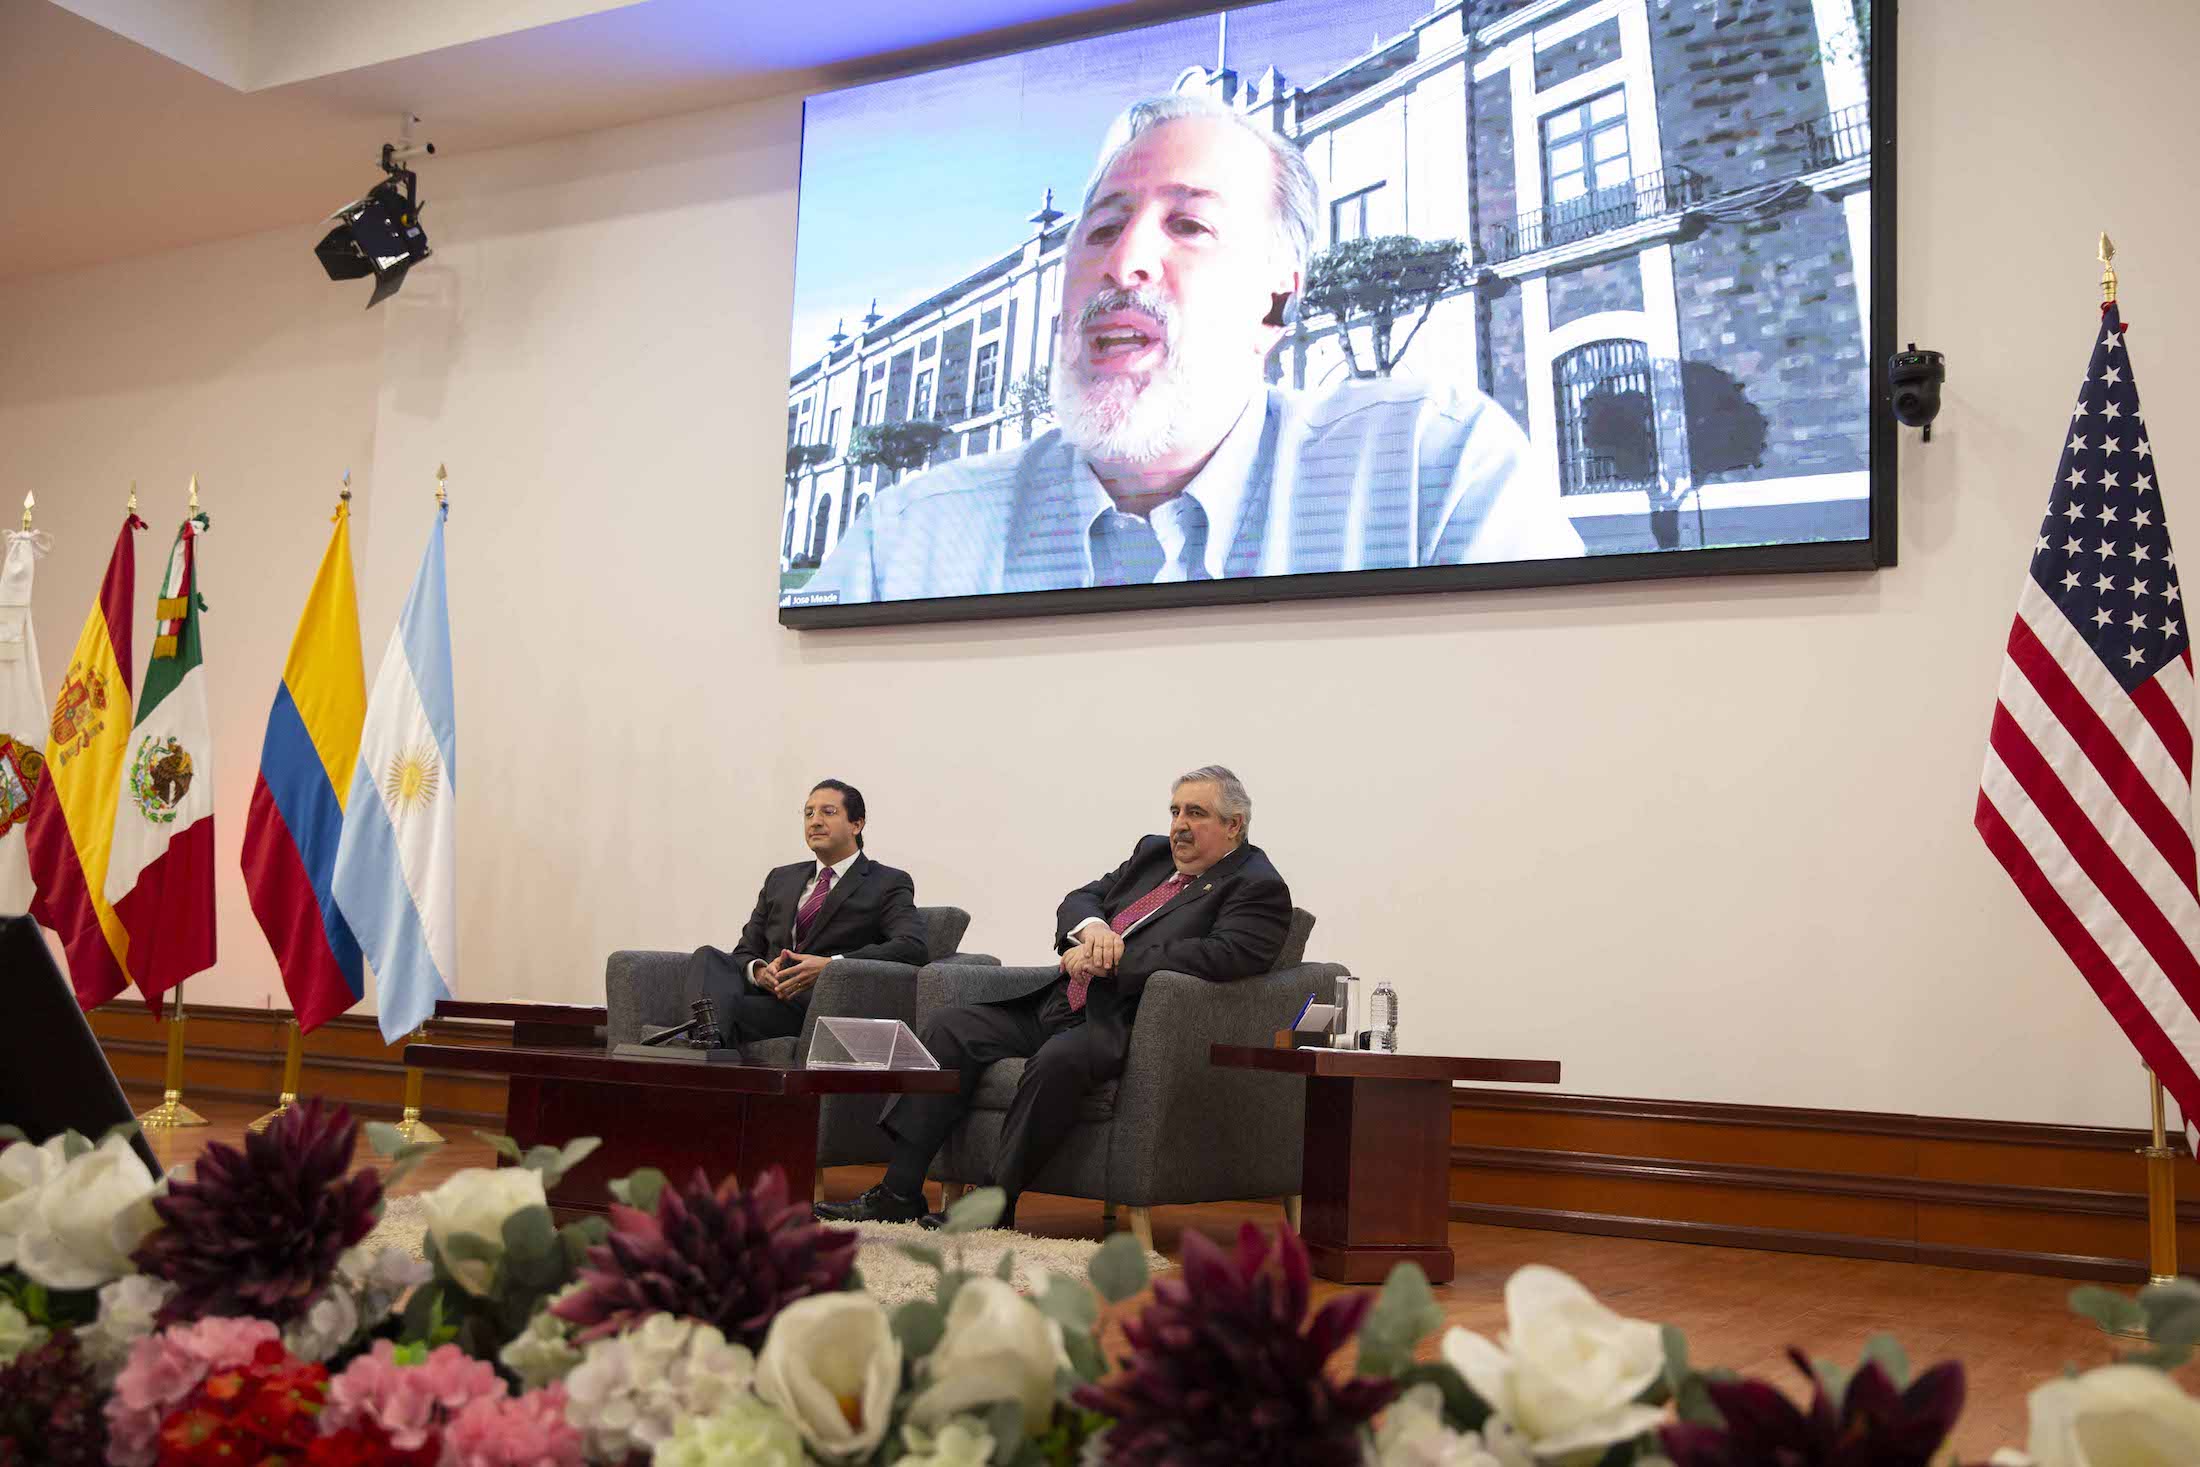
x=1914, y=377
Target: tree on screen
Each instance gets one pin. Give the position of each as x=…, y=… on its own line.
x=1031, y=399
x=801, y=456
x=1379, y=282
x=895, y=447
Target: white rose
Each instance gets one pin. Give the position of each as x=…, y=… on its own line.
x=17, y=1333
x=24, y=1170
x=2116, y=1416
x=997, y=1347
x=89, y=1219
x=1413, y=1434
x=1570, y=1369
x=477, y=1201
x=831, y=1365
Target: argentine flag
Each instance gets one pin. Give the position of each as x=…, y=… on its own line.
x=396, y=876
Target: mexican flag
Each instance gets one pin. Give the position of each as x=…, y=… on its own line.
x=160, y=874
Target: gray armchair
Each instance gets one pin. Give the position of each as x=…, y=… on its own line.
x=646, y=991
x=1172, y=1128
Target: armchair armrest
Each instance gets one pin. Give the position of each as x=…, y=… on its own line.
x=1185, y=1130
x=943, y=985
x=643, y=990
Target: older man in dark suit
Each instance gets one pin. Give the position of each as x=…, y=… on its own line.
x=838, y=904
x=1200, y=900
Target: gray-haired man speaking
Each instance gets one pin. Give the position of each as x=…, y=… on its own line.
x=1200, y=900
x=1174, y=460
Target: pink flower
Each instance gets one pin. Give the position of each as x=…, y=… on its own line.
x=408, y=1401
x=517, y=1431
x=166, y=1367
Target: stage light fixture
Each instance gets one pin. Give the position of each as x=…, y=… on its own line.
x=380, y=234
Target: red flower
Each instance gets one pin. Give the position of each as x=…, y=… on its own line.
x=264, y=1410
x=368, y=1445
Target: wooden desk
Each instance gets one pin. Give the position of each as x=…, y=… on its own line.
x=671, y=1114
x=1377, y=1170
x=541, y=1024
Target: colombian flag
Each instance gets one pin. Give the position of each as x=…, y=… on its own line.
x=297, y=809
x=72, y=820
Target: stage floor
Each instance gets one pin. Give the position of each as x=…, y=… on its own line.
x=1741, y=1308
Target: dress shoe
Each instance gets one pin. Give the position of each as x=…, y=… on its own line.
x=876, y=1205
x=932, y=1222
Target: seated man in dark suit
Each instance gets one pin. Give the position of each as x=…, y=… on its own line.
x=1199, y=900
x=839, y=904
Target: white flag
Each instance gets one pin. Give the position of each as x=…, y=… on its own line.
x=24, y=714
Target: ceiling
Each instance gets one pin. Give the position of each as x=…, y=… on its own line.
x=137, y=126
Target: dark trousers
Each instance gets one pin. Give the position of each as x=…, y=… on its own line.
x=746, y=1012
x=1068, y=1059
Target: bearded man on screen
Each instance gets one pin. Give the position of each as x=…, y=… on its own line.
x=1174, y=459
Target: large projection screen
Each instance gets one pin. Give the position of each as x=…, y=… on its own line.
x=1342, y=297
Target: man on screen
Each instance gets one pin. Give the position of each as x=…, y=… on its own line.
x=1174, y=459
x=837, y=904
x=1201, y=900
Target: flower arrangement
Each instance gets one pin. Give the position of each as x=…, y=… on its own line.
x=233, y=1317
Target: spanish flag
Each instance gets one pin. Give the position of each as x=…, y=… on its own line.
x=72, y=821
x=297, y=812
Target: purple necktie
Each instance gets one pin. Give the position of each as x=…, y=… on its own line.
x=1125, y=920
x=810, y=908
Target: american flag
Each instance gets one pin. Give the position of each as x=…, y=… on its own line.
x=2087, y=796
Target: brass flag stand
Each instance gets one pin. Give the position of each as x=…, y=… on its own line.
x=2161, y=1196
x=172, y=1113
x=294, y=1058
x=409, y=1125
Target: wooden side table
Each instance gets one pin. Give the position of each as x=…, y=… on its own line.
x=1377, y=1180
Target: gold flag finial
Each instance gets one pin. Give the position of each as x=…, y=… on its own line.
x=194, y=494
x=344, y=494
x=133, y=496
x=442, y=494
x=30, y=498
x=2108, y=271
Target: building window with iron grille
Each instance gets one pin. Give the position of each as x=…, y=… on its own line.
x=1588, y=171
x=921, y=407
x=1350, y=216
x=986, y=378
x=1607, y=424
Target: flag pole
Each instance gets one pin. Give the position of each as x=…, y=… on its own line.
x=294, y=1057
x=172, y=1113
x=409, y=1125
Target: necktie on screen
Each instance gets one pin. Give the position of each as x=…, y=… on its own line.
x=810, y=908
x=1125, y=920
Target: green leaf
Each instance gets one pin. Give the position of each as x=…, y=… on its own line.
x=2110, y=1310
x=977, y=1211
x=1832, y=1378
x=1405, y=1313
x=73, y=1145
x=530, y=1232
x=1888, y=1351
x=384, y=1138
x=1005, y=1419
x=577, y=1151
x=468, y=1247
x=1005, y=1270
x=503, y=1146
x=918, y=1324
x=951, y=1283
x=1118, y=1270
x=1463, y=1409
x=1675, y=1343
x=124, y=1129
x=925, y=1254
x=2165, y=1358
x=1084, y=1354
x=2172, y=1312
x=1069, y=1304
x=13, y=1133
x=640, y=1188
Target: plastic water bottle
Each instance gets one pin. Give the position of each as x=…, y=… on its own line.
x=1382, y=1016
x=1347, y=999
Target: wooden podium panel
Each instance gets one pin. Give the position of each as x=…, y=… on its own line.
x=1377, y=1165
x=675, y=1115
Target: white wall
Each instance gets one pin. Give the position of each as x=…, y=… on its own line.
x=1707, y=840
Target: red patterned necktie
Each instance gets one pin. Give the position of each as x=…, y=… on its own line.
x=1125, y=920
x=810, y=908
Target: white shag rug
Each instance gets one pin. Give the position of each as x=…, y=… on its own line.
x=890, y=1275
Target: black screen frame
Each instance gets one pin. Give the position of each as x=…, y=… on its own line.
x=1878, y=550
